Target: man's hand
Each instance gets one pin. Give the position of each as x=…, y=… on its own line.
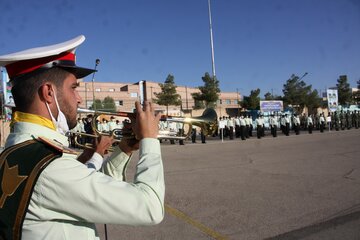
x=129, y=145
x=103, y=144
x=147, y=123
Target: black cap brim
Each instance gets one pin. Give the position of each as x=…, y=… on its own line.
x=79, y=72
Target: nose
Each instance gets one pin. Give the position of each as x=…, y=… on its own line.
x=78, y=98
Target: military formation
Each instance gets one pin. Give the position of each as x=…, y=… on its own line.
x=243, y=125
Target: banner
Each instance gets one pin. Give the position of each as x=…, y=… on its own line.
x=332, y=97
x=271, y=106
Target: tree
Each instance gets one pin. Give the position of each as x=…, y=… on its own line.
x=298, y=94
x=168, y=95
x=98, y=105
x=344, y=91
x=109, y=104
x=209, y=93
x=313, y=101
x=268, y=96
x=252, y=101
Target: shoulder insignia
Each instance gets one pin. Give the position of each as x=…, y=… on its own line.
x=56, y=145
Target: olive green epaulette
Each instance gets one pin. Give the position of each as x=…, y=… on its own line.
x=56, y=145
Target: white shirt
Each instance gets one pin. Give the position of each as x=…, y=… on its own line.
x=242, y=122
x=230, y=123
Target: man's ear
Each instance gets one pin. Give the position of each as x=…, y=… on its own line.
x=46, y=93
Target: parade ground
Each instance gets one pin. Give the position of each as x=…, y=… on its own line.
x=289, y=187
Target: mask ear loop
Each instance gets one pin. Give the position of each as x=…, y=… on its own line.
x=51, y=115
x=57, y=106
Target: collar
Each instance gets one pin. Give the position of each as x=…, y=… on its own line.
x=25, y=131
x=32, y=118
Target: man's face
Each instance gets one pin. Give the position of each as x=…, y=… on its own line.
x=69, y=99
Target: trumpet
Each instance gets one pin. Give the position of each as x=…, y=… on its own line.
x=207, y=122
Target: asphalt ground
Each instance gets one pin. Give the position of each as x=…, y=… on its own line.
x=290, y=187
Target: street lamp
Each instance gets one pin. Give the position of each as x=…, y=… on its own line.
x=97, y=62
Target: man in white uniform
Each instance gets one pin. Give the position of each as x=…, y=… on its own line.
x=60, y=197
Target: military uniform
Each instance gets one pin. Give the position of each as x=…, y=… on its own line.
x=296, y=124
x=230, y=124
x=348, y=119
x=287, y=125
x=273, y=124
x=237, y=127
x=342, y=120
x=242, y=128
x=310, y=124
x=259, y=127
x=337, y=121
x=322, y=122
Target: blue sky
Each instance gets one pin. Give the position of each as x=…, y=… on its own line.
x=258, y=43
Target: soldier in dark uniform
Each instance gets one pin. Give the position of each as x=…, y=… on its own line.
x=247, y=126
x=230, y=124
x=242, y=128
x=322, y=122
x=309, y=123
x=296, y=122
x=221, y=130
x=343, y=120
x=348, y=119
x=273, y=125
x=353, y=119
x=237, y=126
x=203, y=137
x=193, y=134
x=287, y=125
x=332, y=120
x=336, y=121
x=250, y=125
x=226, y=130
x=259, y=127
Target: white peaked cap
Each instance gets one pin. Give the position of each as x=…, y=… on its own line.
x=58, y=55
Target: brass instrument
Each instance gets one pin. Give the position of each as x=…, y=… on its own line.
x=207, y=122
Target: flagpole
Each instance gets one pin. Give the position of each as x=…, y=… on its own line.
x=211, y=42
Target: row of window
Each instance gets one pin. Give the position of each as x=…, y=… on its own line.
x=119, y=103
x=133, y=94
x=227, y=101
x=99, y=90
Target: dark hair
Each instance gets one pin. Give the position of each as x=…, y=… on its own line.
x=27, y=86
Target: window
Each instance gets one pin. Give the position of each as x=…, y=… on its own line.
x=235, y=101
x=133, y=95
x=111, y=89
x=119, y=103
x=227, y=101
x=97, y=89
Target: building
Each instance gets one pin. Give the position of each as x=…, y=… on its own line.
x=125, y=95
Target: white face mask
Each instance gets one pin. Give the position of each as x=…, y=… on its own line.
x=61, y=123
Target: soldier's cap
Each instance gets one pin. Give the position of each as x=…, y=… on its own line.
x=58, y=55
